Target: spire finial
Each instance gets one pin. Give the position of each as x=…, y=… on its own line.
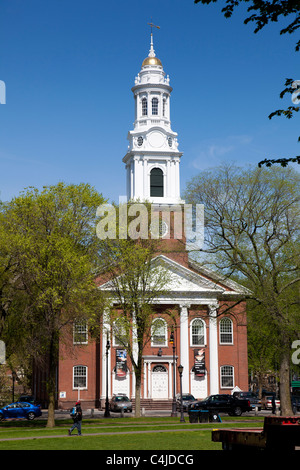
x=151, y=52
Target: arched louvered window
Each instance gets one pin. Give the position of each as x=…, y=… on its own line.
x=144, y=107
x=155, y=106
x=156, y=183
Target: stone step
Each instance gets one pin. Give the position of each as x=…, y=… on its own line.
x=151, y=404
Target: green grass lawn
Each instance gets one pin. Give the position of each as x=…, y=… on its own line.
x=115, y=434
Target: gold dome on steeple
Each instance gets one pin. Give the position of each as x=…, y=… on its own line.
x=151, y=59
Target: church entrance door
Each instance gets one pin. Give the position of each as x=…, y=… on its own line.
x=159, y=382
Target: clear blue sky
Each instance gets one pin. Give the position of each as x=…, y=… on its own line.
x=69, y=66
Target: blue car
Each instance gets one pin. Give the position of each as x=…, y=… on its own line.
x=20, y=410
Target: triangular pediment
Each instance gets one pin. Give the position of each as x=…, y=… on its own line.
x=199, y=279
x=182, y=279
x=196, y=282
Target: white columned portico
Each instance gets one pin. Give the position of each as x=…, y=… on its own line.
x=106, y=333
x=134, y=353
x=184, y=345
x=213, y=349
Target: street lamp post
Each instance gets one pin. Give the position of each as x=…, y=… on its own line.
x=180, y=370
x=172, y=341
x=107, y=413
x=14, y=375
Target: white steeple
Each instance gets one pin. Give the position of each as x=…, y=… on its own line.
x=152, y=160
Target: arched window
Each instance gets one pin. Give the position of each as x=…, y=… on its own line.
x=159, y=333
x=227, y=377
x=156, y=183
x=155, y=106
x=144, y=107
x=226, y=333
x=197, y=332
x=159, y=368
x=79, y=377
x=120, y=337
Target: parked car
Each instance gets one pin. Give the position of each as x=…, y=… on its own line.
x=267, y=402
x=187, y=398
x=254, y=400
x=222, y=403
x=120, y=402
x=20, y=410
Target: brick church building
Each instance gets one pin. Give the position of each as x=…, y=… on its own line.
x=209, y=340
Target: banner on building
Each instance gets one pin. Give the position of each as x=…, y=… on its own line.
x=121, y=362
x=199, y=362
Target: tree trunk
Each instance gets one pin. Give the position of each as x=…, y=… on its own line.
x=138, y=396
x=284, y=376
x=53, y=361
x=51, y=410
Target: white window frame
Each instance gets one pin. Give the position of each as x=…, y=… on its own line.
x=191, y=332
x=154, y=106
x=80, y=328
x=165, y=343
x=84, y=368
x=227, y=321
x=144, y=106
x=226, y=376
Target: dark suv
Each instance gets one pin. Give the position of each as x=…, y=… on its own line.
x=221, y=404
x=254, y=401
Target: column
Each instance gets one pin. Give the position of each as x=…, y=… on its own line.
x=184, y=346
x=213, y=349
x=177, y=180
x=135, y=353
x=149, y=384
x=131, y=179
x=128, y=180
x=168, y=183
x=105, y=331
x=146, y=188
x=145, y=379
x=170, y=379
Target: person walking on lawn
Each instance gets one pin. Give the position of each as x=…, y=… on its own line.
x=77, y=418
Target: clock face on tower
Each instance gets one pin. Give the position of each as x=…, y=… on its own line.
x=156, y=139
x=159, y=229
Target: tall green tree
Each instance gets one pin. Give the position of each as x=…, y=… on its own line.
x=262, y=344
x=55, y=252
x=252, y=230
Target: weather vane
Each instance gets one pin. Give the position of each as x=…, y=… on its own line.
x=153, y=25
